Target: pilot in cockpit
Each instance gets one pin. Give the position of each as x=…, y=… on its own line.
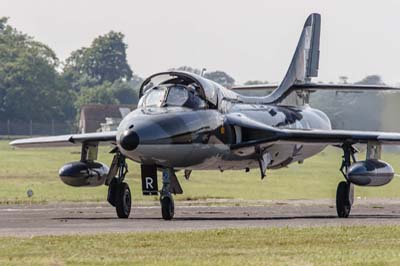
x=167, y=95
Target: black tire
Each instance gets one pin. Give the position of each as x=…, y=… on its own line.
x=343, y=204
x=167, y=207
x=123, y=200
x=112, y=191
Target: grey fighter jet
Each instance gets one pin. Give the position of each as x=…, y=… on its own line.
x=187, y=122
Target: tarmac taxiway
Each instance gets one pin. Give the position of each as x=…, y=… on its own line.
x=91, y=218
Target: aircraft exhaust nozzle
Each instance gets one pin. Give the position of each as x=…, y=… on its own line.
x=129, y=140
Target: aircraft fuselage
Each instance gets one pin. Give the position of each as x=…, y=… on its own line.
x=200, y=139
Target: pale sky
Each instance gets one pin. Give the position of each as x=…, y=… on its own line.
x=251, y=39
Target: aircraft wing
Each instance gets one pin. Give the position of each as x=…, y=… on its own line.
x=343, y=87
x=313, y=87
x=256, y=87
x=65, y=140
x=320, y=137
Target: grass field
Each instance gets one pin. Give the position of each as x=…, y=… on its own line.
x=37, y=169
x=23, y=169
x=326, y=246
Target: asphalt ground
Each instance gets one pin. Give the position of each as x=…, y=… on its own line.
x=92, y=218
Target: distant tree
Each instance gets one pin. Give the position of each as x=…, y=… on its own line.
x=188, y=69
x=255, y=82
x=126, y=92
x=217, y=76
x=105, y=60
x=100, y=94
x=30, y=86
x=371, y=80
x=220, y=77
x=119, y=92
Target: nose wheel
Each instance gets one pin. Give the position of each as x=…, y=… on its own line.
x=167, y=207
x=166, y=199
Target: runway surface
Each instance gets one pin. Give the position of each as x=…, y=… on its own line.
x=57, y=219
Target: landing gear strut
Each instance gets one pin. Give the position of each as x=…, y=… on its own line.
x=119, y=194
x=345, y=189
x=166, y=199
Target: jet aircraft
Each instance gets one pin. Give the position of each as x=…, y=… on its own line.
x=186, y=122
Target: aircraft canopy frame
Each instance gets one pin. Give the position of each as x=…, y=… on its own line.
x=206, y=89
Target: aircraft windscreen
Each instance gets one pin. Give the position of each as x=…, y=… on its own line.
x=172, y=95
x=156, y=96
x=177, y=96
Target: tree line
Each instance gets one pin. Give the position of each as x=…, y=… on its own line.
x=36, y=85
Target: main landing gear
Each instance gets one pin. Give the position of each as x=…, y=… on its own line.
x=345, y=189
x=119, y=194
x=344, y=199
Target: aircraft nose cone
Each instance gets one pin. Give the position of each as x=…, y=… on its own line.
x=129, y=140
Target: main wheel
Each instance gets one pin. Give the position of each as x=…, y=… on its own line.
x=112, y=191
x=167, y=207
x=343, y=201
x=123, y=200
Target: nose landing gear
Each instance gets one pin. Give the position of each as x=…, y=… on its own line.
x=119, y=194
x=166, y=199
x=167, y=207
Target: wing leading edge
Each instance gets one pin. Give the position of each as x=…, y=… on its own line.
x=65, y=140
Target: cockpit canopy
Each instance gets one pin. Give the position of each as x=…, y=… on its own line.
x=197, y=90
x=200, y=92
x=172, y=95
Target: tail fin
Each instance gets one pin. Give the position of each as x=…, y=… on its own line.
x=305, y=60
x=303, y=67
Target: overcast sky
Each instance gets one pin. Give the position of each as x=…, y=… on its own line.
x=251, y=39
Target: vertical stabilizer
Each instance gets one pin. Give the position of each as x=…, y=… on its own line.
x=305, y=60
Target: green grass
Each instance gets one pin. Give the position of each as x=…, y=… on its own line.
x=278, y=246
x=37, y=169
